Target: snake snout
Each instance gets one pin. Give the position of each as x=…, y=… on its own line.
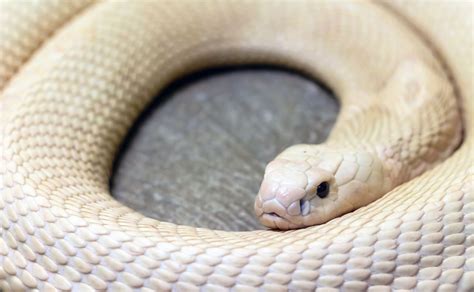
x=281, y=207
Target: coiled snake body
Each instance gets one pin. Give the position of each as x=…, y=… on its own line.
x=402, y=70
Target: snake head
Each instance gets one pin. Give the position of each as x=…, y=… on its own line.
x=311, y=184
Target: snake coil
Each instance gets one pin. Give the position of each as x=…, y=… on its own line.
x=74, y=75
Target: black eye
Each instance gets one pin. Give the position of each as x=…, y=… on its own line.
x=323, y=190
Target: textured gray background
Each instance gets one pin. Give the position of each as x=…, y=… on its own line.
x=197, y=155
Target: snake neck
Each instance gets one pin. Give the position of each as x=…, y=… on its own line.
x=413, y=124
x=405, y=157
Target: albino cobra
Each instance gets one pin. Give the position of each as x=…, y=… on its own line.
x=74, y=75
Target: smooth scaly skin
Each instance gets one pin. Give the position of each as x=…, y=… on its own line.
x=64, y=114
x=25, y=26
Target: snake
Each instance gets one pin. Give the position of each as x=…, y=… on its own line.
x=385, y=203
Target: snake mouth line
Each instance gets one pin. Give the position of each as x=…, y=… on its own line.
x=279, y=222
x=274, y=216
x=276, y=220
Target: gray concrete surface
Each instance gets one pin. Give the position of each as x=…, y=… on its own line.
x=197, y=155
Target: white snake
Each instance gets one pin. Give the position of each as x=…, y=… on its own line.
x=403, y=72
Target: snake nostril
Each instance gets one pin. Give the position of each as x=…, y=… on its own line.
x=305, y=207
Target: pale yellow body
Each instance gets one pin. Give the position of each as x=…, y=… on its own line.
x=68, y=100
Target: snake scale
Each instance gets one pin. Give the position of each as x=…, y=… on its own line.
x=74, y=75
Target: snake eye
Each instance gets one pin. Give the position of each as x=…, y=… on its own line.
x=323, y=190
